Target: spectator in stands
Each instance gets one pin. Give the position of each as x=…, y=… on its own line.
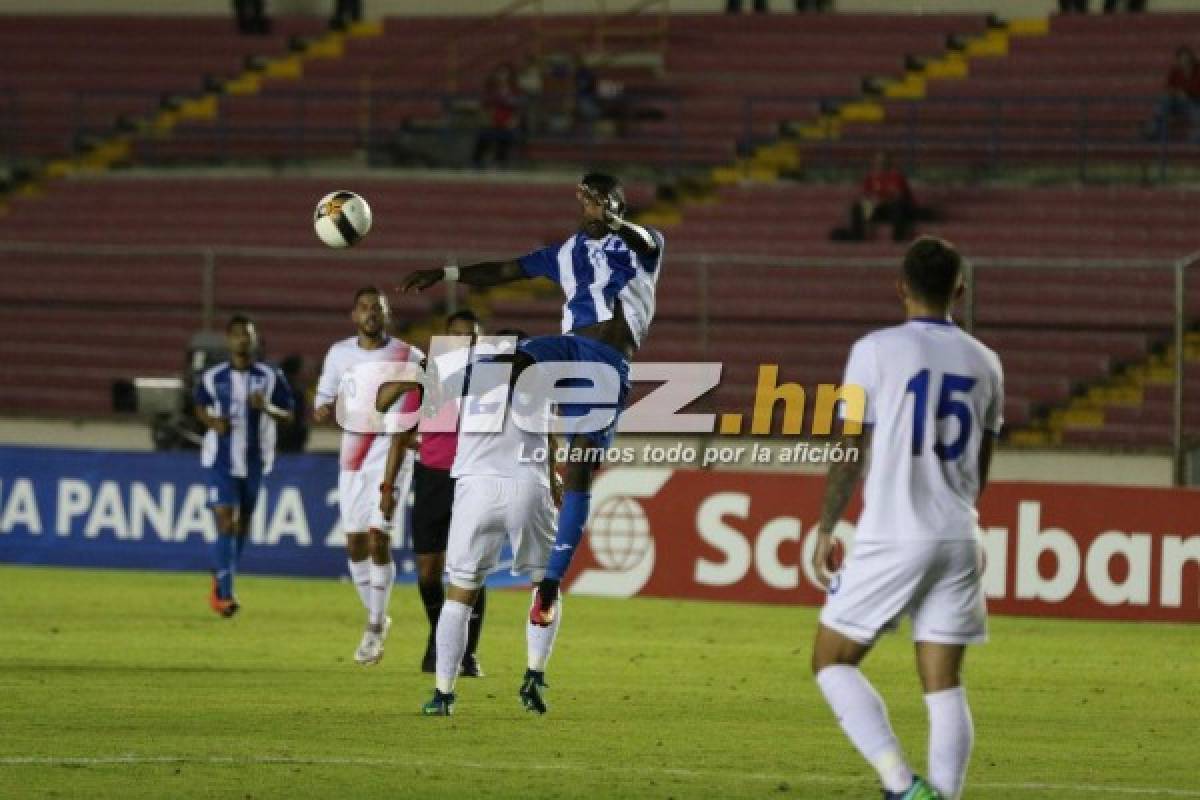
x=251, y=16
x=531, y=86
x=345, y=12
x=735, y=6
x=1182, y=96
x=820, y=6
x=501, y=109
x=886, y=196
x=586, y=106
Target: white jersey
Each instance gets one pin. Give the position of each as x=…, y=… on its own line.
x=491, y=440
x=931, y=392
x=359, y=451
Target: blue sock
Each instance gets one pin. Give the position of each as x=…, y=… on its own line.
x=224, y=553
x=240, y=542
x=571, y=519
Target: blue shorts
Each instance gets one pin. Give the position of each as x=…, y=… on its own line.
x=227, y=490
x=580, y=349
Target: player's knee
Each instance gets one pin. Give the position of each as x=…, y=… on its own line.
x=430, y=567
x=380, y=547
x=224, y=516
x=464, y=580
x=357, y=546
x=581, y=467
x=467, y=595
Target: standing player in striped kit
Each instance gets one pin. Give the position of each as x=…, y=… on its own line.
x=239, y=402
x=362, y=460
x=608, y=271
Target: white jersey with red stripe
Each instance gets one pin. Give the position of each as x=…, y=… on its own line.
x=360, y=451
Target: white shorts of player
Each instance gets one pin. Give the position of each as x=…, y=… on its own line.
x=358, y=500
x=938, y=583
x=488, y=510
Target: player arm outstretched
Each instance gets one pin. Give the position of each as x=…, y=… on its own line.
x=482, y=275
x=839, y=488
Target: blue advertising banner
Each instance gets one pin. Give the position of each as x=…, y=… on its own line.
x=148, y=511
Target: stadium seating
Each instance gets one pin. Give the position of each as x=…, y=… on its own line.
x=65, y=76
x=777, y=291
x=710, y=65
x=1085, y=92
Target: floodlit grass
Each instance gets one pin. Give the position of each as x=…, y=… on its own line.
x=123, y=684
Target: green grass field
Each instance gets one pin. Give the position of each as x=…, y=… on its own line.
x=123, y=684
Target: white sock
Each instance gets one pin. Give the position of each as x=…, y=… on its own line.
x=451, y=642
x=383, y=577
x=951, y=735
x=539, y=641
x=863, y=716
x=360, y=574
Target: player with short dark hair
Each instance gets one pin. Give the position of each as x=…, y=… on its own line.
x=433, y=498
x=239, y=401
x=362, y=460
x=608, y=271
x=506, y=488
x=934, y=403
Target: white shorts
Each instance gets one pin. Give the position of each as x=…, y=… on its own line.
x=939, y=583
x=358, y=500
x=486, y=511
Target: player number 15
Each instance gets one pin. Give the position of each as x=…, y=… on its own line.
x=947, y=406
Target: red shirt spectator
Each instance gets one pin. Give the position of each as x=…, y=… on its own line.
x=1185, y=81
x=886, y=185
x=502, y=98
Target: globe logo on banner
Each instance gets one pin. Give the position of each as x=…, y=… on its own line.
x=620, y=534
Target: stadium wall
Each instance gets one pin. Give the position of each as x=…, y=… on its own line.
x=375, y=8
x=1051, y=549
x=1056, y=550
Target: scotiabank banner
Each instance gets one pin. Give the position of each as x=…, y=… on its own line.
x=1061, y=550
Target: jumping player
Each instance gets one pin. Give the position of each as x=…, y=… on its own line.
x=608, y=271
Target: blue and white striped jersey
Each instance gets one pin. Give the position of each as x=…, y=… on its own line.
x=250, y=443
x=593, y=273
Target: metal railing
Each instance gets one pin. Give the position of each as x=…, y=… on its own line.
x=990, y=132
x=1139, y=300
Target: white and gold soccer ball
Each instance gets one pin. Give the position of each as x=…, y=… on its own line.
x=342, y=218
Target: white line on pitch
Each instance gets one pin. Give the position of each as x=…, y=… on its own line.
x=134, y=760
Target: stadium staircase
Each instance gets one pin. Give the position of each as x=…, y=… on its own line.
x=83, y=91
x=1093, y=76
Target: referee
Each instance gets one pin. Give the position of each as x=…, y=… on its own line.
x=433, y=493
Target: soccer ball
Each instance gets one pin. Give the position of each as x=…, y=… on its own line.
x=342, y=219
